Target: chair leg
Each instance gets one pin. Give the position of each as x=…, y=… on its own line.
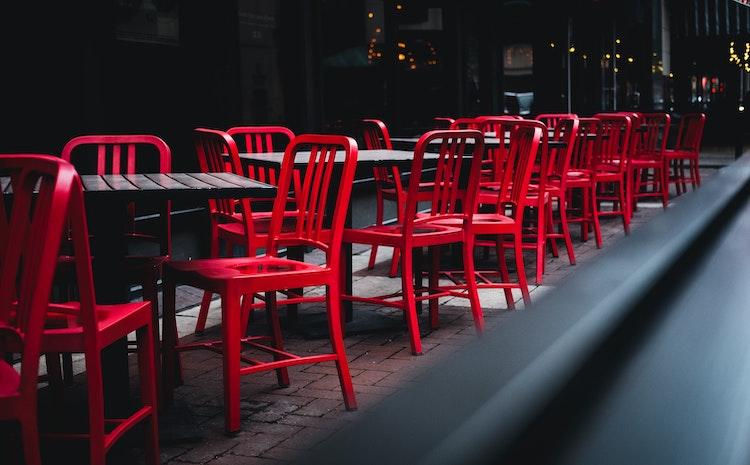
x=520, y=269
x=696, y=174
x=624, y=208
x=566, y=230
x=378, y=221
x=585, y=215
x=541, y=241
x=148, y=379
x=170, y=357
x=394, y=263
x=231, y=335
x=337, y=344
x=272, y=313
x=504, y=275
x=30, y=436
x=595, y=217
x=94, y=385
x=151, y=294
x=433, y=283
x=410, y=307
x=664, y=185
x=471, y=282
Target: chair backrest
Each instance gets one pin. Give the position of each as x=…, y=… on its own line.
x=502, y=126
x=690, y=132
x=558, y=161
x=551, y=119
x=615, y=140
x=125, y=154
x=326, y=188
x=376, y=135
x=38, y=189
x=454, y=190
x=587, y=143
x=442, y=122
x=118, y=154
x=518, y=166
x=217, y=153
x=261, y=139
x=652, y=139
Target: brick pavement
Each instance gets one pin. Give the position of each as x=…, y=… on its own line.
x=279, y=424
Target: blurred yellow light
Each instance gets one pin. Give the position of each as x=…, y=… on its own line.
x=607, y=56
x=584, y=56
x=617, y=55
x=552, y=44
x=378, y=30
x=617, y=41
x=671, y=75
x=572, y=49
x=370, y=15
x=401, y=57
x=616, y=70
x=399, y=6
x=401, y=45
x=630, y=59
x=413, y=66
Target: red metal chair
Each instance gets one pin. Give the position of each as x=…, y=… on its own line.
x=417, y=231
x=646, y=167
x=217, y=151
x=551, y=119
x=609, y=169
x=580, y=174
x=80, y=326
x=687, y=149
x=263, y=139
x=131, y=154
x=388, y=185
x=237, y=277
x=30, y=243
x=556, y=186
x=491, y=229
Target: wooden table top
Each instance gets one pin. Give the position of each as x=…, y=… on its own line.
x=167, y=186
x=374, y=157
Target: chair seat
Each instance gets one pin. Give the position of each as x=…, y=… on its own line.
x=645, y=162
x=485, y=223
x=392, y=234
x=10, y=380
x=113, y=322
x=252, y=272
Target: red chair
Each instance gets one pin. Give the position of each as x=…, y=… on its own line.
x=442, y=122
x=131, y=154
x=80, y=326
x=217, y=151
x=30, y=243
x=551, y=119
x=687, y=149
x=417, y=231
x=580, y=174
x=388, y=185
x=646, y=167
x=556, y=186
x=237, y=277
x=609, y=169
x=263, y=139
x=492, y=229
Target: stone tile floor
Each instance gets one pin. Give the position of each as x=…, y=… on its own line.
x=279, y=424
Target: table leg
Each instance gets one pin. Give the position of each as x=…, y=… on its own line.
x=109, y=253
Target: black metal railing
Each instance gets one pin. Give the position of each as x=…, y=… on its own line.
x=641, y=356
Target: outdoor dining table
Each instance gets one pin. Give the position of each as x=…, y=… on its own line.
x=489, y=142
x=365, y=161
x=106, y=198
